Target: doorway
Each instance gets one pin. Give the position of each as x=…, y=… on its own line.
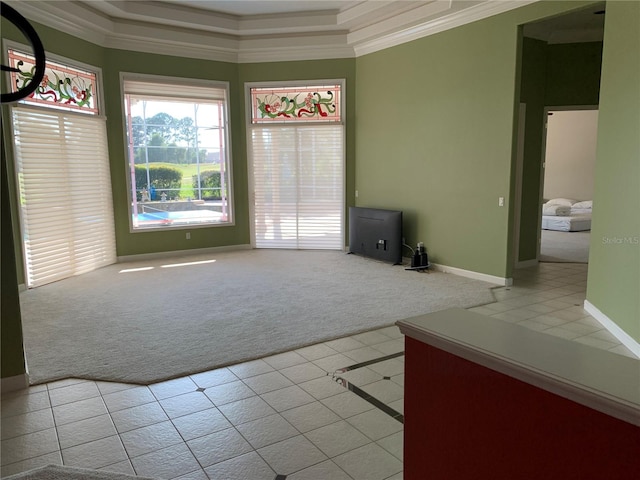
x=567, y=184
x=560, y=66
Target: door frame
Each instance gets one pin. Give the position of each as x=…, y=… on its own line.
x=543, y=158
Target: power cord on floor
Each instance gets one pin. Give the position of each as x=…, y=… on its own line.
x=413, y=252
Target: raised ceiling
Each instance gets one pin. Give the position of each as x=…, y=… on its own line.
x=583, y=25
x=265, y=7
x=243, y=31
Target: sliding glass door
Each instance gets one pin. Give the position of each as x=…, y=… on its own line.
x=62, y=166
x=296, y=155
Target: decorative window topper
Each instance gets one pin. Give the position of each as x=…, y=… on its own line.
x=296, y=104
x=62, y=86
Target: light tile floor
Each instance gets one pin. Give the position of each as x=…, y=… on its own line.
x=288, y=416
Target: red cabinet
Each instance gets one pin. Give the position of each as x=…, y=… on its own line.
x=469, y=421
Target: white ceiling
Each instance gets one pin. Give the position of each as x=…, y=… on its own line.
x=243, y=31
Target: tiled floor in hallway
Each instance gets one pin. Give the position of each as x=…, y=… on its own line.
x=289, y=416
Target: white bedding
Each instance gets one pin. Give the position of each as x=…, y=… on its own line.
x=567, y=215
x=559, y=210
x=575, y=210
x=576, y=222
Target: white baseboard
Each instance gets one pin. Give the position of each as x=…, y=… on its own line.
x=174, y=253
x=475, y=275
x=613, y=328
x=527, y=263
x=17, y=382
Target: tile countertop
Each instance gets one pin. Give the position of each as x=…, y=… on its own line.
x=596, y=378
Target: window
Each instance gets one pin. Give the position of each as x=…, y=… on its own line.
x=63, y=87
x=319, y=103
x=296, y=153
x=62, y=165
x=178, y=155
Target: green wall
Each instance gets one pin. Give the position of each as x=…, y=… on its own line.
x=614, y=256
x=532, y=93
x=12, y=353
x=128, y=243
x=434, y=136
x=573, y=74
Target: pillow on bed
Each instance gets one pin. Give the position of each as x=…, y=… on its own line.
x=583, y=204
x=556, y=210
x=561, y=201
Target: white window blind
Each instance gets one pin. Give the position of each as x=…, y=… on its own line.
x=148, y=89
x=65, y=188
x=298, y=175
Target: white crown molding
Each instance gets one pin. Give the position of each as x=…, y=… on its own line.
x=321, y=52
x=173, y=48
x=439, y=24
x=87, y=26
x=310, y=47
x=180, y=42
x=184, y=31
x=399, y=22
x=361, y=9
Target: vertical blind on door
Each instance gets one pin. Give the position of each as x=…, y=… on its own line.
x=65, y=193
x=298, y=173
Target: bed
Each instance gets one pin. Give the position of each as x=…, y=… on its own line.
x=576, y=222
x=566, y=215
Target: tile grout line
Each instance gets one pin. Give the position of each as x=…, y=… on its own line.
x=55, y=425
x=364, y=395
x=368, y=362
x=371, y=399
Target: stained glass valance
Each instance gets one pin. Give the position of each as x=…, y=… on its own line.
x=62, y=86
x=296, y=104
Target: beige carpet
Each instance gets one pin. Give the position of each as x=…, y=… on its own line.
x=159, y=321
x=564, y=247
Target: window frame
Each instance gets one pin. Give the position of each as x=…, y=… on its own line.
x=177, y=82
x=16, y=190
x=338, y=119
x=99, y=91
x=250, y=126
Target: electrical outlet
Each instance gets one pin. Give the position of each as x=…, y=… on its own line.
x=188, y=235
x=501, y=201
x=356, y=193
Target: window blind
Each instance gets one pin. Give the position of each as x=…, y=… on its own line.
x=298, y=175
x=65, y=188
x=148, y=89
